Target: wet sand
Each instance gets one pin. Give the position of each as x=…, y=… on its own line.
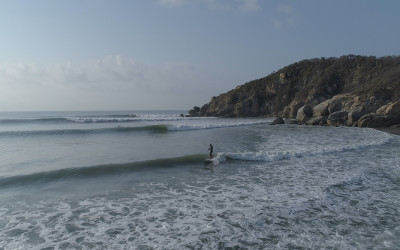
x=391, y=130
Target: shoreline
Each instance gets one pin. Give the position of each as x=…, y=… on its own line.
x=390, y=130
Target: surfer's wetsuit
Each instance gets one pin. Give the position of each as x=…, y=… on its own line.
x=211, y=150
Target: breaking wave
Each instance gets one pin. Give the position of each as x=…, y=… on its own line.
x=269, y=156
x=99, y=119
x=156, y=128
x=182, y=127
x=99, y=170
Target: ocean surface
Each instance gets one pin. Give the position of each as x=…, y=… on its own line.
x=139, y=180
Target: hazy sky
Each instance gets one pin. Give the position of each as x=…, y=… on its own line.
x=172, y=54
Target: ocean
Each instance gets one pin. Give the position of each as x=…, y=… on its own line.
x=139, y=180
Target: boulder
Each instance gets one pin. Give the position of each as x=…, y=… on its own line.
x=321, y=109
x=374, y=120
x=338, y=118
x=353, y=117
x=278, y=120
x=319, y=120
x=291, y=110
x=304, y=113
x=370, y=120
x=334, y=106
x=393, y=108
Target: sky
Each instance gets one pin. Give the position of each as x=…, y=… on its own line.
x=172, y=54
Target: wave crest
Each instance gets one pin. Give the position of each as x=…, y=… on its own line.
x=159, y=128
x=99, y=170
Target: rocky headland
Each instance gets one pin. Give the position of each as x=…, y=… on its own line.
x=347, y=91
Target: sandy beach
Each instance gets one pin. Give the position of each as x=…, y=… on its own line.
x=391, y=130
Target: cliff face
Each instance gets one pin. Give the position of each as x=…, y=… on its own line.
x=314, y=90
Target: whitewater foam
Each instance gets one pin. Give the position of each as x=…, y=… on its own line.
x=133, y=118
x=217, y=124
x=247, y=208
x=300, y=152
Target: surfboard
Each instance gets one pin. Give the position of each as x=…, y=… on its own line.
x=211, y=161
x=208, y=161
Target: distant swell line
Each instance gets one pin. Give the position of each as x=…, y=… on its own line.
x=94, y=119
x=161, y=128
x=37, y=120
x=98, y=170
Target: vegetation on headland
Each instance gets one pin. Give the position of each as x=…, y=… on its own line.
x=350, y=90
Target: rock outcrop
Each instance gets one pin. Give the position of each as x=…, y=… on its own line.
x=278, y=120
x=350, y=91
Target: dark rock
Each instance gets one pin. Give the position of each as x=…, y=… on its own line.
x=390, y=109
x=374, y=120
x=334, y=106
x=338, y=118
x=304, y=113
x=353, y=117
x=195, y=111
x=278, y=120
x=365, y=120
x=319, y=120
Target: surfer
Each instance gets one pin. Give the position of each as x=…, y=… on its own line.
x=211, y=148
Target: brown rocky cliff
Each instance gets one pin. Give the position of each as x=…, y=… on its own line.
x=356, y=86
